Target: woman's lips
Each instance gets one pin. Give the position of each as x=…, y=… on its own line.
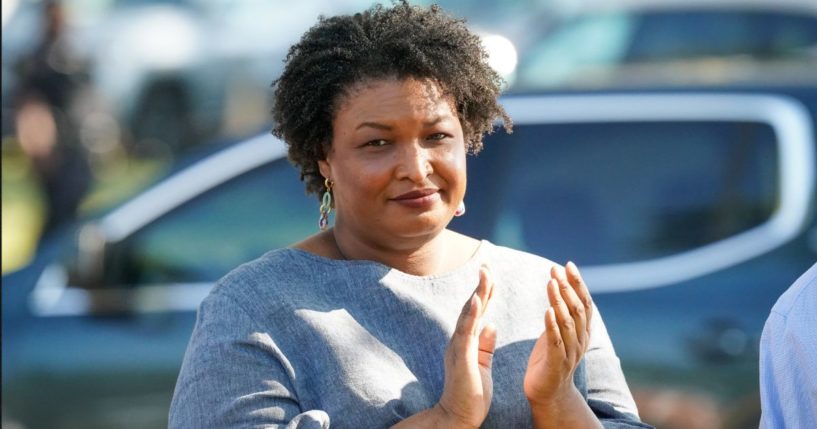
x=420, y=199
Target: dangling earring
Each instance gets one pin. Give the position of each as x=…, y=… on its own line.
x=460, y=209
x=326, y=205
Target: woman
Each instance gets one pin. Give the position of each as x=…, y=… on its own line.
x=375, y=322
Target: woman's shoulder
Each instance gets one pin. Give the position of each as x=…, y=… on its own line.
x=515, y=267
x=274, y=263
x=510, y=257
x=279, y=272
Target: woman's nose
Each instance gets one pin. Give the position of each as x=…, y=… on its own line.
x=414, y=163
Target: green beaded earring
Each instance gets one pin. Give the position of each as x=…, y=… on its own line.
x=326, y=205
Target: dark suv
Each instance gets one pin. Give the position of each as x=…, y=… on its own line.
x=690, y=212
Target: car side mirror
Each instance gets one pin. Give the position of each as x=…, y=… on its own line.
x=90, y=262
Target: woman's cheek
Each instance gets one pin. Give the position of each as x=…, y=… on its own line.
x=377, y=167
x=373, y=175
x=454, y=159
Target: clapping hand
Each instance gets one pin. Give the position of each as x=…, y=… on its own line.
x=557, y=352
x=468, y=387
x=548, y=384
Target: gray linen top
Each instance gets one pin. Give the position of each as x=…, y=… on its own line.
x=295, y=340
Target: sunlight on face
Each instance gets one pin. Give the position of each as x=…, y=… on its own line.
x=397, y=159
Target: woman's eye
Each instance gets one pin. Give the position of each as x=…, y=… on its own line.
x=377, y=143
x=437, y=136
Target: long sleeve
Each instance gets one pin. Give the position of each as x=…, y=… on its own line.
x=607, y=391
x=788, y=358
x=234, y=376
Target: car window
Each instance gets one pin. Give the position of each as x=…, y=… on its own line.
x=621, y=192
x=586, y=44
x=233, y=223
x=761, y=35
x=590, y=49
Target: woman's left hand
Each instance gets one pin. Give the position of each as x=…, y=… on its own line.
x=557, y=352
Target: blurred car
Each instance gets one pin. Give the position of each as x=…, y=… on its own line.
x=167, y=74
x=650, y=42
x=173, y=72
x=689, y=212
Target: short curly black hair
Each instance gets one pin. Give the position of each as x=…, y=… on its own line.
x=402, y=41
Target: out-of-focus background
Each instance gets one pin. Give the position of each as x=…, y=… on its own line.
x=667, y=146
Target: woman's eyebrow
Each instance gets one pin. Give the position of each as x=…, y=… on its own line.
x=434, y=121
x=374, y=125
x=426, y=124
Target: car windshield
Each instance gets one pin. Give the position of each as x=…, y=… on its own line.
x=589, y=49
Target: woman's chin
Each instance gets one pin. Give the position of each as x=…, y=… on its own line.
x=421, y=224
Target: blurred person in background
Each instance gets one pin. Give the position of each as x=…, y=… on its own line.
x=363, y=323
x=788, y=358
x=50, y=78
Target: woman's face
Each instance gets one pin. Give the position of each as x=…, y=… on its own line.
x=397, y=160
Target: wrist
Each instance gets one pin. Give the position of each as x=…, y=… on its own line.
x=558, y=402
x=564, y=409
x=555, y=398
x=445, y=419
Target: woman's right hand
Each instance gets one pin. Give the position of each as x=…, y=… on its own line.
x=468, y=386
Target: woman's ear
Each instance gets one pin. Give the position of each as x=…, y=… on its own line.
x=325, y=168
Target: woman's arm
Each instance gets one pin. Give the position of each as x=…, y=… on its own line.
x=234, y=376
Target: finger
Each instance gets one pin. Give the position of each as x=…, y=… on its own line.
x=580, y=287
x=485, y=289
x=576, y=309
x=467, y=322
x=487, y=345
x=567, y=326
x=556, y=346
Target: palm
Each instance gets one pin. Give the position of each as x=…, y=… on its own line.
x=487, y=383
x=539, y=375
x=468, y=384
x=561, y=346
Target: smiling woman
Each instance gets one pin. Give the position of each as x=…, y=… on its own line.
x=397, y=160
x=384, y=319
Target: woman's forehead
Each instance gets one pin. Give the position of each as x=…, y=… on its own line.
x=380, y=97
